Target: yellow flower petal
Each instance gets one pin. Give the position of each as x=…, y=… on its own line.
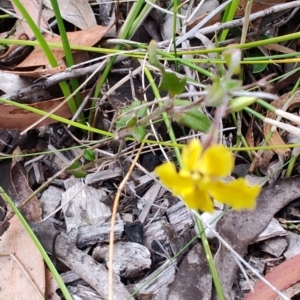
x=236, y=193
x=199, y=199
x=190, y=154
x=179, y=185
x=216, y=161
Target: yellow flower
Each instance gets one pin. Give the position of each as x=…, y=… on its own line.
x=200, y=179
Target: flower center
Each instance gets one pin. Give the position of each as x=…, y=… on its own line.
x=196, y=175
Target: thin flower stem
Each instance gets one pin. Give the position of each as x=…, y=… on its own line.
x=210, y=261
x=291, y=165
x=164, y=115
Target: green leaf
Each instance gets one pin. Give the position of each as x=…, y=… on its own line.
x=169, y=82
x=129, y=119
x=132, y=121
x=192, y=118
x=139, y=133
x=89, y=154
x=172, y=83
x=79, y=173
x=77, y=170
x=239, y=103
x=255, y=52
x=258, y=68
x=74, y=166
x=152, y=50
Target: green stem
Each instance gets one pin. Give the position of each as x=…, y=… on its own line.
x=67, y=50
x=291, y=166
x=165, y=116
x=210, y=261
x=228, y=16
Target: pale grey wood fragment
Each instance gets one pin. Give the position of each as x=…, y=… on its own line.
x=293, y=245
x=274, y=246
x=130, y=259
x=147, y=200
x=155, y=230
x=82, y=206
x=150, y=285
x=50, y=200
x=103, y=175
x=273, y=229
x=81, y=292
x=69, y=277
x=179, y=216
x=93, y=234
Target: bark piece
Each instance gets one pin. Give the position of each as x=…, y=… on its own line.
x=147, y=200
x=84, y=265
x=82, y=206
x=193, y=280
x=130, y=259
x=293, y=246
x=273, y=229
x=152, y=283
x=155, y=231
x=179, y=216
x=103, y=175
x=93, y=234
x=83, y=293
x=274, y=246
x=50, y=200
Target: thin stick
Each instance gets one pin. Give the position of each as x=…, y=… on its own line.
x=113, y=220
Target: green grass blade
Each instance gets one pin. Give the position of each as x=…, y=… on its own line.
x=48, y=53
x=228, y=16
x=67, y=48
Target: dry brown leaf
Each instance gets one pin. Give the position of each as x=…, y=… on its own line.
x=32, y=7
x=38, y=73
x=257, y=6
x=51, y=287
x=22, y=269
x=78, y=13
x=12, y=117
x=32, y=211
x=88, y=37
x=279, y=48
x=17, y=34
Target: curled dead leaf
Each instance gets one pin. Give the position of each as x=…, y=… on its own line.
x=12, y=117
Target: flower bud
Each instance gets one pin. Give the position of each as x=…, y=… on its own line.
x=237, y=104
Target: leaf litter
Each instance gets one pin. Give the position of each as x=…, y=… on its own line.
x=163, y=224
